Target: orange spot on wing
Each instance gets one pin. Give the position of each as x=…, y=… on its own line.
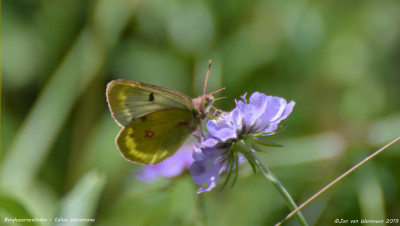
x=148, y=133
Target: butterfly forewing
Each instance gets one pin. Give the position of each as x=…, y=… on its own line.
x=129, y=100
x=156, y=136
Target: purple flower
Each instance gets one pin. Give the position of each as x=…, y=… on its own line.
x=259, y=117
x=209, y=162
x=170, y=167
x=262, y=114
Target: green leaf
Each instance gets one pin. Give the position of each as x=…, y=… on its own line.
x=236, y=160
x=81, y=202
x=267, y=143
x=229, y=168
x=15, y=209
x=247, y=155
x=257, y=149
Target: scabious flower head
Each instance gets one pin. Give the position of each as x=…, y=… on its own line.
x=249, y=120
x=262, y=114
x=170, y=167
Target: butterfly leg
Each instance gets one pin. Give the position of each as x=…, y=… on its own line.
x=199, y=134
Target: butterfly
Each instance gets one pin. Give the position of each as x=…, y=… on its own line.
x=156, y=120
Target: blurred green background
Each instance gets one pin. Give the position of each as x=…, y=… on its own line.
x=339, y=60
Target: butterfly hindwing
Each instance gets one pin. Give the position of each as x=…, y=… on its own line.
x=129, y=100
x=156, y=136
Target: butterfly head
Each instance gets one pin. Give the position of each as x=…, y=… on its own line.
x=203, y=104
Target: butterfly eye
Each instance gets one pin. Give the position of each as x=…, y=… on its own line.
x=208, y=101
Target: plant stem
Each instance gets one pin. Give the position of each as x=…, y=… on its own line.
x=202, y=207
x=271, y=177
x=338, y=179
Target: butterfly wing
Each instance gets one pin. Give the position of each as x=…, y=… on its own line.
x=156, y=136
x=129, y=100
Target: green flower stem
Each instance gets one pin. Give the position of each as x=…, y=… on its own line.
x=271, y=177
x=201, y=202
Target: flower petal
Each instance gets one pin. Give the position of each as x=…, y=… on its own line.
x=276, y=106
x=170, y=167
x=206, y=171
x=222, y=128
x=288, y=109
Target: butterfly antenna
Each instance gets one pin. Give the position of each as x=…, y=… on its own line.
x=206, y=82
x=220, y=98
x=222, y=89
x=208, y=74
